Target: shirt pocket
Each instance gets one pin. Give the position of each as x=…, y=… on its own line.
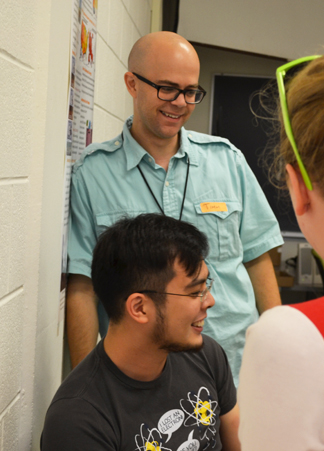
x=104, y=220
x=222, y=229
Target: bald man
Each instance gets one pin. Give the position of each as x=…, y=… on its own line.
x=155, y=165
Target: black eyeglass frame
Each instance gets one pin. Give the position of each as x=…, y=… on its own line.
x=180, y=91
x=199, y=294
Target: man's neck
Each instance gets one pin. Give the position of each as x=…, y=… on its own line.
x=136, y=358
x=162, y=150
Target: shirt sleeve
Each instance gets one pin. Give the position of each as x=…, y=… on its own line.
x=82, y=231
x=227, y=391
x=259, y=228
x=281, y=384
x=222, y=374
x=73, y=425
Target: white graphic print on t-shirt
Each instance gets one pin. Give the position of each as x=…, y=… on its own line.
x=197, y=411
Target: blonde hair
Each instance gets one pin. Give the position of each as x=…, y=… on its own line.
x=305, y=98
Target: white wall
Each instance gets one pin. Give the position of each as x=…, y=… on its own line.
x=120, y=24
x=280, y=28
x=34, y=61
x=34, y=70
x=50, y=96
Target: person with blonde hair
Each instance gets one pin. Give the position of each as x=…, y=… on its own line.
x=281, y=388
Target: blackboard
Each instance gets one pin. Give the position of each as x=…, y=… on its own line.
x=233, y=119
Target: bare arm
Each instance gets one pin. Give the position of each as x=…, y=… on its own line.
x=264, y=282
x=229, y=430
x=81, y=317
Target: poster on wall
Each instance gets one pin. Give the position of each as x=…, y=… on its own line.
x=80, y=108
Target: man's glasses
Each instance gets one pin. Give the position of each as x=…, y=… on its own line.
x=197, y=294
x=169, y=93
x=281, y=73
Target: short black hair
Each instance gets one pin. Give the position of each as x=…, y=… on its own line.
x=138, y=254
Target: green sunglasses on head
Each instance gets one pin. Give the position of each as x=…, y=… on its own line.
x=281, y=73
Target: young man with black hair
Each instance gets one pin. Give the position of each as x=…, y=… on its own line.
x=154, y=382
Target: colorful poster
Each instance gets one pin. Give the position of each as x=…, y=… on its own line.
x=80, y=106
x=83, y=46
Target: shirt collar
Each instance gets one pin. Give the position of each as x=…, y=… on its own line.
x=187, y=147
x=134, y=152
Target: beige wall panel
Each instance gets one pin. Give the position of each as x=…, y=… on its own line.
x=107, y=126
x=281, y=28
x=16, y=31
x=103, y=19
x=128, y=31
x=18, y=235
x=16, y=93
x=105, y=76
x=119, y=93
x=116, y=10
x=11, y=320
x=5, y=228
x=11, y=427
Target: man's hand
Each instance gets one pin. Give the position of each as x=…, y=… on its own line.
x=264, y=282
x=81, y=317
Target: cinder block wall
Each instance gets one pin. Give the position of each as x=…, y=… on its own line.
x=120, y=24
x=34, y=71
x=17, y=88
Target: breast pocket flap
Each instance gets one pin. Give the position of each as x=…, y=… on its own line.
x=221, y=209
x=107, y=219
x=103, y=220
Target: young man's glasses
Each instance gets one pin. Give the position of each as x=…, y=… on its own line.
x=281, y=73
x=197, y=294
x=169, y=93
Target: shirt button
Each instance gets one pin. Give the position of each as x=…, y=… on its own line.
x=190, y=136
x=167, y=183
x=150, y=160
x=116, y=143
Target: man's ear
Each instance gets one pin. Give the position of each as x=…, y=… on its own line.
x=137, y=307
x=130, y=82
x=298, y=192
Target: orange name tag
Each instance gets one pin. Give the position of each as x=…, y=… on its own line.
x=206, y=207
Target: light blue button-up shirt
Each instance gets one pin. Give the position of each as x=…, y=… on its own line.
x=106, y=184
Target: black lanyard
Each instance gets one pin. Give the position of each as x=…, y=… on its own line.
x=184, y=192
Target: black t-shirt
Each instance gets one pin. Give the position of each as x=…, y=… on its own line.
x=99, y=408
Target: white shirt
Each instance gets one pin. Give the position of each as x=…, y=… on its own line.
x=281, y=384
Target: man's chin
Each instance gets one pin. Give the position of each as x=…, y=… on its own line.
x=180, y=347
